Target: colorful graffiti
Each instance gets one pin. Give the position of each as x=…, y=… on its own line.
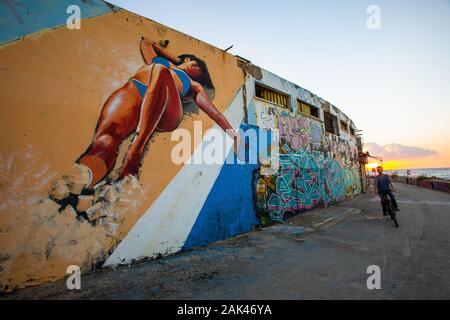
x=300, y=132
x=62, y=204
x=306, y=179
x=352, y=181
x=295, y=132
x=264, y=185
x=316, y=134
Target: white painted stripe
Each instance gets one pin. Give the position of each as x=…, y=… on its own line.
x=165, y=226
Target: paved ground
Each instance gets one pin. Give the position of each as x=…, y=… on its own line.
x=322, y=254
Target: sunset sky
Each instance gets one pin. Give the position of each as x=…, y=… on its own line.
x=394, y=83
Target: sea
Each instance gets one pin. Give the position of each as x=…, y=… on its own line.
x=441, y=173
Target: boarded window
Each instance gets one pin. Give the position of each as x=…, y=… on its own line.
x=308, y=109
x=272, y=96
x=330, y=123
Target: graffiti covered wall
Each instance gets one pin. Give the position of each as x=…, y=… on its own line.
x=87, y=167
x=316, y=167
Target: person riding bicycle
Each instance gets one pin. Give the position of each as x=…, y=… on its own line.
x=383, y=186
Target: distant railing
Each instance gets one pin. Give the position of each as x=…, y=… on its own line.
x=424, y=182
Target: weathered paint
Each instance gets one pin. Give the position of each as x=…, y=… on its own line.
x=316, y=168
x=297, y=132
x=306, y=180
x=21, y=19
x=68, y=76
x=166, y=225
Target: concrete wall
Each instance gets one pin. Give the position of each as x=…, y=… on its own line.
x=430, y=183
x=54, y=83
x=316, y=168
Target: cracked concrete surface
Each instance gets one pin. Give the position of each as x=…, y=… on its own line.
x=321, y=254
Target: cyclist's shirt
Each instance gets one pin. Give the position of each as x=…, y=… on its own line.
x=383, y=183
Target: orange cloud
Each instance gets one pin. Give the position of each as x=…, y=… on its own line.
x=395, y=151
x=396, y=156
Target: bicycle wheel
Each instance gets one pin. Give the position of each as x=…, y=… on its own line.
x=391, y=212
x=395, y=221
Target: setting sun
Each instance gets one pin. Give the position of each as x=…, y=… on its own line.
x=387, y=165
x=372, y=165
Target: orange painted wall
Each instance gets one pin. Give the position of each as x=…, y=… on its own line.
x=52, y=87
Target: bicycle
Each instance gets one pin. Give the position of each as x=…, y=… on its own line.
x=390, y=209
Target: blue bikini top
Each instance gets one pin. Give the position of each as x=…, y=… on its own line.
x=185, y=80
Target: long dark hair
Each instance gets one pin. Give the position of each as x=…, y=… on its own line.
x=205, y=78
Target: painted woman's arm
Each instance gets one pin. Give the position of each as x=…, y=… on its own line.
x=203, y=102
x=149, y=50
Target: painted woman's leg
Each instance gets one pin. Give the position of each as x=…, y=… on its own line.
x=161, y=108
x=118, y=119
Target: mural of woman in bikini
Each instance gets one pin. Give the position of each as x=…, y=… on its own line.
x=151, y=100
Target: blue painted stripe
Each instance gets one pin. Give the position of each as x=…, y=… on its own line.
x=228, y=209
x=21, y=17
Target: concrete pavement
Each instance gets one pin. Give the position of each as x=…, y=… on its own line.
x=321, y=254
